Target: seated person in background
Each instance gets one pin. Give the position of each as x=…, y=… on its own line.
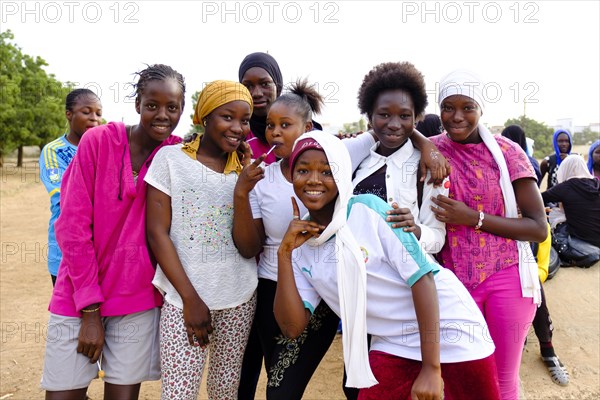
x=578, y=239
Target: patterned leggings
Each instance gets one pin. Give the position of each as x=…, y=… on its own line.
x=182, y=364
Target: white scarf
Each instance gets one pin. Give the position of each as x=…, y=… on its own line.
x=573, y=166
x=467, y=83
x=351, y=271
x=528, y=269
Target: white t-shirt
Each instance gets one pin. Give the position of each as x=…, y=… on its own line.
x=270, y=201
x=394, y=262
x=201, y=223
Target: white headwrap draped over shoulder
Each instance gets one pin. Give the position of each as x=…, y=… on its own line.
x=351, y=271
x=468, y=84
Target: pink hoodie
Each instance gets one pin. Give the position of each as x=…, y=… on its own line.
x=102, y=229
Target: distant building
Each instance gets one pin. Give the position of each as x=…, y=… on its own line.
x=564, y=123
x=496, y=129
x=567, y=123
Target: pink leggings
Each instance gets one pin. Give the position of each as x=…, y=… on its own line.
x=509, y=317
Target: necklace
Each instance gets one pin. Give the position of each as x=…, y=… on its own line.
x=135, y=173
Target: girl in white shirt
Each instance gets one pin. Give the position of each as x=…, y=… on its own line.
x=425, y=325
x=393, y=96
x=260, y=206
x=209, y=288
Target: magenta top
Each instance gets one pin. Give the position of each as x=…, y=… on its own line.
x=259, y=148
x=102, y=229
x=472, y=254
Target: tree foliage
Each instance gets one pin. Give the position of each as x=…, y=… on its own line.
x=354, y=127
x=586, y=136
x=537, y=131
x=31, y=100
x=194, y=129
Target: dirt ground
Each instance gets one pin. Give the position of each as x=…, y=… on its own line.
x=25, y=287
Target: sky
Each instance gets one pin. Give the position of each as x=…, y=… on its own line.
x=541, y=58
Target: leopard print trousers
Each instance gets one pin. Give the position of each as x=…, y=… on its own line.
x=182, y=364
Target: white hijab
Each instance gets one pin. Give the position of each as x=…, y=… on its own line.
x=573, y=166
x=351, y=271
x=469, y=84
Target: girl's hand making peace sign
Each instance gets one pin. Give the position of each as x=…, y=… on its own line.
x=299, y=231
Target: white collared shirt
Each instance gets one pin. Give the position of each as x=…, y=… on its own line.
x=401, y=187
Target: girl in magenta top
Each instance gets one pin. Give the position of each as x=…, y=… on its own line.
x=105, y=280
x=493, y=207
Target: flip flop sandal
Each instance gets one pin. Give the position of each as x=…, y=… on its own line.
x=557, y=370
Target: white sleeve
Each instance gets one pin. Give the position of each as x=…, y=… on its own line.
x=359, y=148
x=254, y=204
x=404, y=252
x=433, y=231
x=308, y=294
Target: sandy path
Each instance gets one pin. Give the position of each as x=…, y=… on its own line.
x=573, y=298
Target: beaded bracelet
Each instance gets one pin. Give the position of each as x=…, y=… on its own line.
x=90, y=311
x=480, y=223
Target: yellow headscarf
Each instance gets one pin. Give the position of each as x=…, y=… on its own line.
x=217, y=93
x=214, y=95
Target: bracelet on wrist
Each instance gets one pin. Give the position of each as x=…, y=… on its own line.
x=90, y=311
x=480, y=222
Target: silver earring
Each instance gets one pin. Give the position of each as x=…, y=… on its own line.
x=205, y=121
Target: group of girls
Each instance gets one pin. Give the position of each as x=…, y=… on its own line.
x=204, y=210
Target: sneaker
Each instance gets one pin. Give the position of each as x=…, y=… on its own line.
x=557, y=370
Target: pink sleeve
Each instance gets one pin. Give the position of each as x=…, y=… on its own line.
x=74, y=226
x=518, y=164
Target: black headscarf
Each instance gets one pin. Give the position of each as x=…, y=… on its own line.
x=430, y=126
x=517, y=135
x=258, y=125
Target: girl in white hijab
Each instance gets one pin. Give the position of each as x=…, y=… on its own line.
x=577, y=241
x=491, y=183
x=424, y=324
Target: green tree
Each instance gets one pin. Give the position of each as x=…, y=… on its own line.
x=31, y=110
x=10, y=81
x=354, y=127
x=537, y=131
x=585, y=137
x=194, y=129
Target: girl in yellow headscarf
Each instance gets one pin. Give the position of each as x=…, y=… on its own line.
x=209, y=288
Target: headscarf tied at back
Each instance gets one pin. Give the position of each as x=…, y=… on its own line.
x=517, y=135
x=266, y=62
x=351, y=270
x=217, y=93
x=573, y=166
x=213, y=96
x=555, y=142
x=463, y=82
x=590, y=162
x=430, y=126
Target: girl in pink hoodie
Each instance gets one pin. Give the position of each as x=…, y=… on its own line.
x=104, y=307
